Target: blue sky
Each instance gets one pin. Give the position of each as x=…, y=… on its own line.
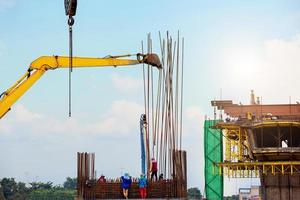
x=235, y=46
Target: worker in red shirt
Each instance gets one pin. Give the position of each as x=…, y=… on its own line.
x=102, y=179
x=153, y=169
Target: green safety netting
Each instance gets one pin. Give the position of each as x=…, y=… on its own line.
x=213, y=151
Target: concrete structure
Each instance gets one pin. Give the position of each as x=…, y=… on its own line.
x=262, y=141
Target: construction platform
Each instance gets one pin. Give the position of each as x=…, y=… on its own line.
x=113, y=190
x=90, y=188
x=261, y=141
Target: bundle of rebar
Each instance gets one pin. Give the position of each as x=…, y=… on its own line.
x=163, y=94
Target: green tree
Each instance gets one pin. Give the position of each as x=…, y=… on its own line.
x=9, y=187
x=11, y=190
x=70, y=183
x=1, y=193
x=233, y=197
x=194, y=193
x=52, y=194
x=41, y=186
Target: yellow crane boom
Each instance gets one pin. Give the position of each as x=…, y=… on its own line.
x=39, y=66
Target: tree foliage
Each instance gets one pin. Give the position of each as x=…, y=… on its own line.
x=233, y=197
x=194, y=193
x=41, y=186
x=70, y=183
x=52, y=194
x=1, y=193
x=12, y=190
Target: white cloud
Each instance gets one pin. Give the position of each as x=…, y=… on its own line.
x=119, y=120
x=193, y=120
x=4, y=127
x=22, y=114
x=19, y=115
x=122, y=118
x=126, y=84
x=270, y=69
x=282, y=60
x=281, y=53
x=193, y=113
x=52, y=139
x=280, y=68
x=6, y=4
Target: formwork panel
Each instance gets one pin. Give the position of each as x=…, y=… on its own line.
x=280, y=187
x=284, y=192
x=295, y=181
x=295, y=193
x=272, y=193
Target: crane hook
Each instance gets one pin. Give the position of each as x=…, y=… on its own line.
x=71, y=21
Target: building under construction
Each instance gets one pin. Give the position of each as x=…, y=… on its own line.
x=255, y=140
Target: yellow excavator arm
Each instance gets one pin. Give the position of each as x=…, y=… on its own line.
x=38, y=67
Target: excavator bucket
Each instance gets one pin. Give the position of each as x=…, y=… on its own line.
x=152, y=59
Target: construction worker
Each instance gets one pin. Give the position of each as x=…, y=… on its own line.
x=126, y=183
x=142, y=186
x=102, y=179
x=153, y=169
x=161, y=177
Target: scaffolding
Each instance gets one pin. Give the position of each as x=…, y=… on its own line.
x=239, y=161
x=237, y=148
x=261, y=141
x=256, y=169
